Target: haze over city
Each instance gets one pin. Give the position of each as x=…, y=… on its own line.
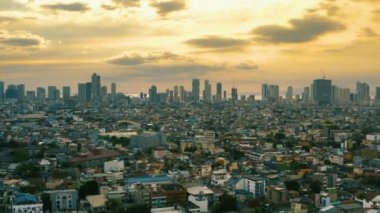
x=138, y=43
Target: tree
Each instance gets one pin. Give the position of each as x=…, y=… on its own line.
x=114, y=206
x=316, y=186
x=226, y=203
x=88, y=188
x=140, y=208
x=292, y=185
x=45, y=197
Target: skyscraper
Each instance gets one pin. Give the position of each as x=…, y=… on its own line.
x=273, y=93
x=66, y=93
x=182, y=93
x=322, y=90
x=362, y=91
x=306, y=95
x=195, y=89
x=264, y=92
x=2, y=95
x=113, y=89
x=176, y=94
x=153, y=96
x=234, y=95
x=11, y=92
x=219, y=90
x=20, y=92
x=96, y=88
x=82, y=97
x=207, y=92
x=52, y=93
x=41, y=94
x=377, y=93
x=289, y=93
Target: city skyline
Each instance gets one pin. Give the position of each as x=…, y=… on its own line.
x=140, y=43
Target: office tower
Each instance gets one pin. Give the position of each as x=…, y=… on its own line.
x=113, y=89
x=104, y=91
x=11, y=92
x=264, y=92
x=224, y=95
x=30, y=95
x=306, y=95
x=96, y=88
x=195, y=90
x=89, y=92
x=57, y=94
x=153, y=96
x=340, y=96
x=273, y=93
x=251, y=98
x=234, y=95
x=20, y=92
x=362, y=91
x=182, y=93
x=207, y=92
x=66, y=93
x=176, y=94
x=377, y=97
x=322, y=90
x=2, y=95
x=82, y=95
x=41, y=94
x=52, y=93
x=289, y=93
x=219, y=90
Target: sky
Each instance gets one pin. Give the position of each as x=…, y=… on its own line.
x=242, y=43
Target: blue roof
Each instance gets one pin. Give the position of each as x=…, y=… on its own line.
x=150, y=178
x=22, y=198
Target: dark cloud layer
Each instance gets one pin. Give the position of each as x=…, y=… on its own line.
x=72, y=7
x=249, y=65
x=127, y=3
x=137, y=59
x=165, y=7
x=300, y=30
x=22, y=42
x=217, y=42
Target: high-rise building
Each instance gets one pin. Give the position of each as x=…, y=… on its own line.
x=207, y=92
x=30, y=95
x=195, y=89
x=2, y=95
x=182, y=93
x=306, y=95
x=20, y=92
x=153, y=96
x=11, y=92
x=104, y=91
x=82, y=97
x=96, y=89
x=41, y=94
x=322, y=90
x=340, y=96
x=219, y=90
x=362, y=91
x=224, y=95
x=377, y=97
x=289, y=93
x=176, y=94
x=234, y=95
x=52, y=93
x=273, y=93
x=113, y=89
x=66, y=90
x=264, y=92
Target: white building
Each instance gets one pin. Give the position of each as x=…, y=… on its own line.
x=220, y=177
x=255, y=185
x=113, y=165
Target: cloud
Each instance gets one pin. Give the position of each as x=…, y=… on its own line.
x=72, y=7
x=137, y=59
x=217, y=42
x=299, y=30
x=368, y=32
x=248, y=65
x=166, y=7
x=127, y=3
x=6, y=19
x=21, y=39
x=108, y=7
x=9, y=5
